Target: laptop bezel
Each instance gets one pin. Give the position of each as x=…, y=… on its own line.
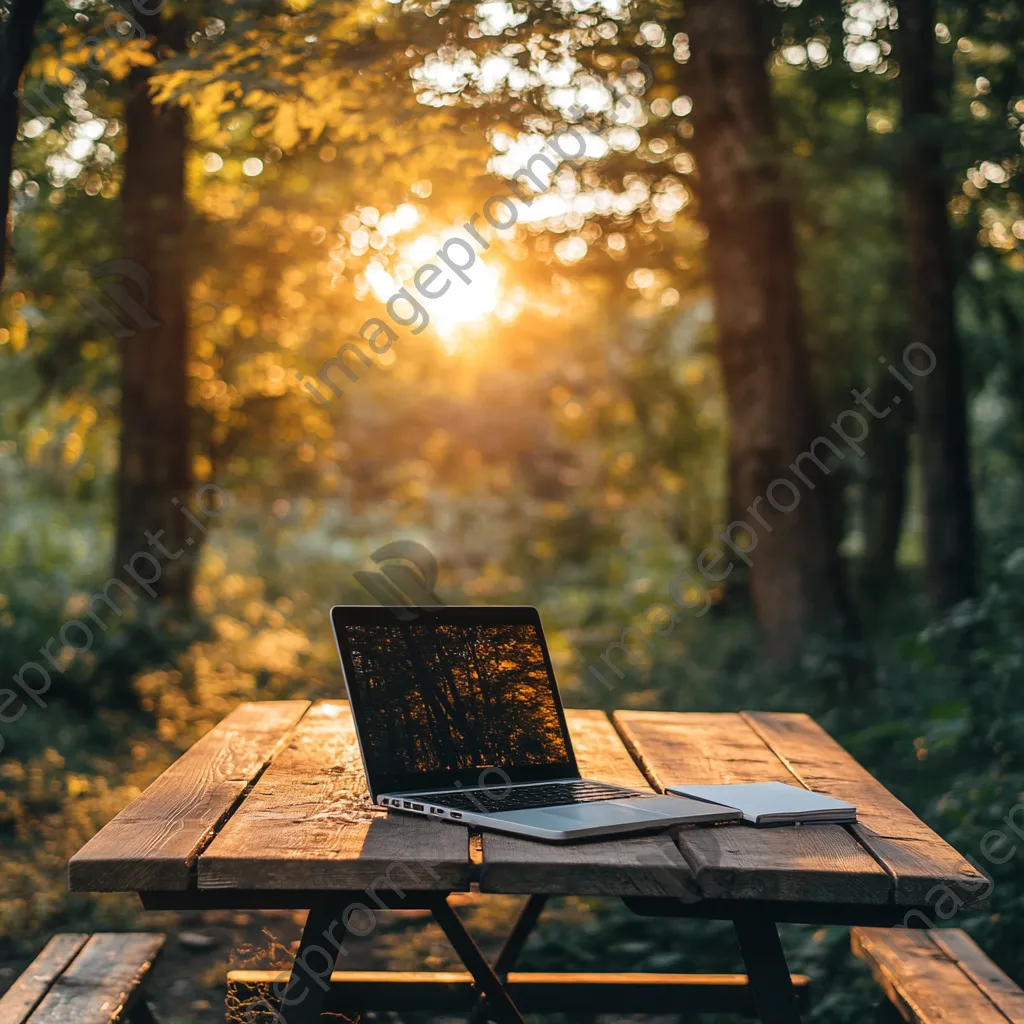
x=408, y=782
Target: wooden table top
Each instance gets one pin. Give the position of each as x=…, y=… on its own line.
x=274, y=799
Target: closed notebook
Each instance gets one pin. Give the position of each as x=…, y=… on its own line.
x=773, y=803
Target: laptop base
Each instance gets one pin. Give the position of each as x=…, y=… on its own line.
x=565, y=823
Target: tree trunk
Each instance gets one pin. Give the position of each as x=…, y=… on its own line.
x=155, y=468
x=796, y=579
x=17, y=34
x=887, y=453
x=940, y=395
x=735, y=597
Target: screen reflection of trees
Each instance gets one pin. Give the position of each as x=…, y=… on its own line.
x=438, y=697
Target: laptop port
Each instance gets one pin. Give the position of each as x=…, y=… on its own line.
x=405, y=803
x=417, y=807
x=455, y=814
x=384, y=801
x=437, y=810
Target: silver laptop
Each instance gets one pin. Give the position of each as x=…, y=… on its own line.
x=459, y=719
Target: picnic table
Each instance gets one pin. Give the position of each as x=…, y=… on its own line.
x=269, y=810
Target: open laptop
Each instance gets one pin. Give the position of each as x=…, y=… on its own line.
x=459, y=719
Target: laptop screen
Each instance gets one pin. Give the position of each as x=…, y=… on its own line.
x=452, y=695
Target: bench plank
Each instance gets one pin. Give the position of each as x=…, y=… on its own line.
x=919, y=860
x=996, y=984
x=823, y=863
x=637, y=866
x=153, y=843
x=101, y=981
x=28, y=990
x=921, y=981
x=308, y=823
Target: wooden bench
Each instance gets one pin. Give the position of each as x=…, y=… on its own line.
x=939, y=976
x=84, y=979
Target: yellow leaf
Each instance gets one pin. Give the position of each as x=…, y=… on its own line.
x=285, y=131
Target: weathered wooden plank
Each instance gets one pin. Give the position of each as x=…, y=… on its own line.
x=699, y=748
x=309, y=824
x=815, y=864
x=28, y=990
x=153, y=843
x=637, y=866
x=921, y=981
x=101, y=980
x=925, y=867
x=998, y=986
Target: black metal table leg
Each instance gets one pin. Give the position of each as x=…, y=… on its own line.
x=142, y=1013
x=305, y=995
x=767, y=971
x=499, y=1005
x=521, y=931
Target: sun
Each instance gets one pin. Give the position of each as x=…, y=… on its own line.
x=464, y=307
x=460, y=310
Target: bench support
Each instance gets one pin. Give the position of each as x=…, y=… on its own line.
x=455, y=993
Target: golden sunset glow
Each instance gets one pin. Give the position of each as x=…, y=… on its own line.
x=462, y=308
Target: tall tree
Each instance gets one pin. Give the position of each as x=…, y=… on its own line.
x=884, y=485
x=17, y=32
x=940, y=394
x=796, y=579
x=155, y=460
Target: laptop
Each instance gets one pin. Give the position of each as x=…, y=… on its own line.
x=458, y=719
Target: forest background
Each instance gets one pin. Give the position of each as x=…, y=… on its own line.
x=781, y=207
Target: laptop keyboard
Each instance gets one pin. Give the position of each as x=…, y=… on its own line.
x=524, y=798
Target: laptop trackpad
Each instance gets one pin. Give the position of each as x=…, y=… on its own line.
x=600, y=812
